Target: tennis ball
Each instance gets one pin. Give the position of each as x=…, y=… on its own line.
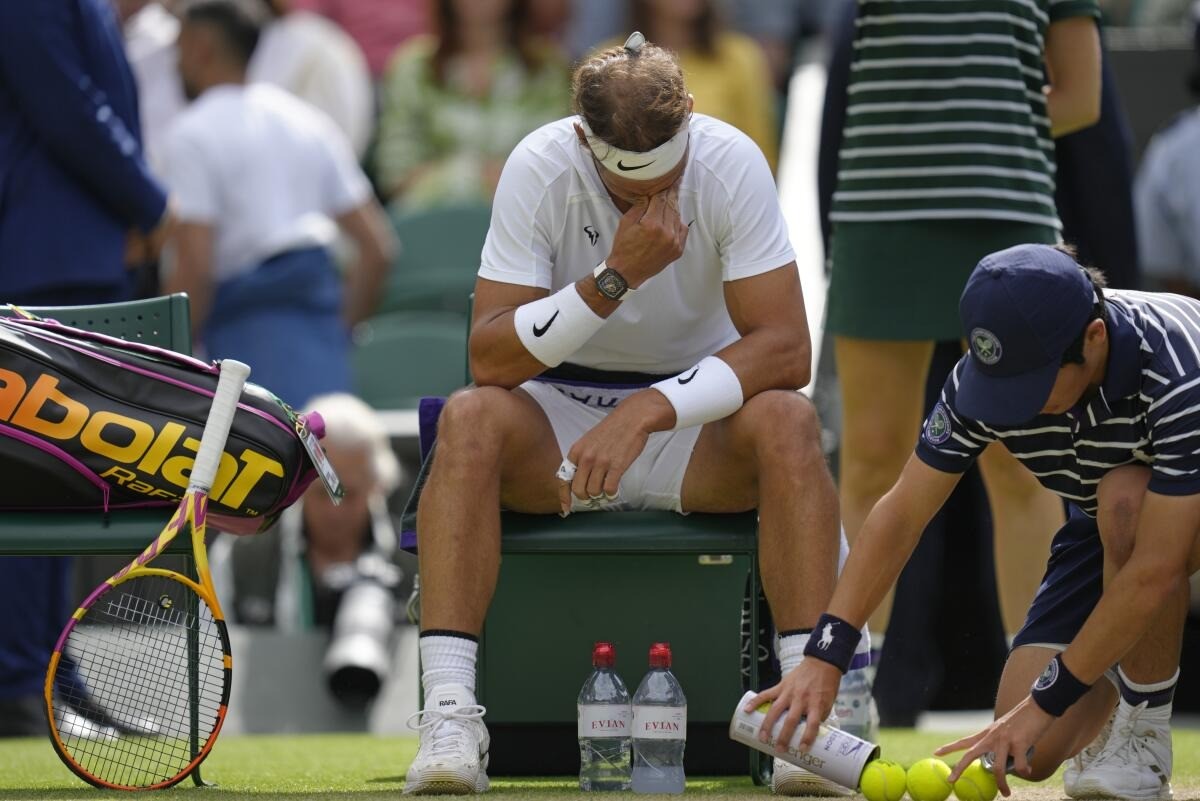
x=976, y=783
x=927, y=780
x=882, y=780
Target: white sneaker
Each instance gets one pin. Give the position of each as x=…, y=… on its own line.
x=791, y=780
x=72, y=725
x=1136, y=760
x=1078, y=763
x=453, y=755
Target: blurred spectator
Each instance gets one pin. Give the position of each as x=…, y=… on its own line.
x=314, y=538
x=77, y=206
x=726, y=71
x=263, y=182
x=1167, y=198
x=150, y=35
x=1146, y=13
x=379, y=26
x=593, y=23
x=777, y=25
x=328, y=565
x=550, y=20
x=319, y=63
x=454, y=104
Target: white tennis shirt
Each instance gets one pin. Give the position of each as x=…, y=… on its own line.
x=553, y=222
x=268, y=171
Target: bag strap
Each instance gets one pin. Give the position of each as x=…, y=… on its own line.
x=57, y=329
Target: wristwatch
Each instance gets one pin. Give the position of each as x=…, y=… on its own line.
x=611, y=283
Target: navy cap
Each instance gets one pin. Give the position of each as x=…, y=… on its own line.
x=1022, y=308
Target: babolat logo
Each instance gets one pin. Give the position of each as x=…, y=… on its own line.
x=127, y=451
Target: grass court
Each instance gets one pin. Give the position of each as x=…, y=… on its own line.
x=362, y=767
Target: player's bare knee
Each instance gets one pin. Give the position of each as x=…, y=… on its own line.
x=474, y=420
x=784, y=426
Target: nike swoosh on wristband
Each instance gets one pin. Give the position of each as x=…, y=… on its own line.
x=621, y=165
x=689, y=378
x=537, y=332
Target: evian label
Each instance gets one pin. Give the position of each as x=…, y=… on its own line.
x=660, y=722
x=605, y=720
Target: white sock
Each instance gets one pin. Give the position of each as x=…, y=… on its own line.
x=791, y=651
x=1155, y=694
x=447, y=659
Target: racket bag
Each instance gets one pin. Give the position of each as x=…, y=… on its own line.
x=88, y=421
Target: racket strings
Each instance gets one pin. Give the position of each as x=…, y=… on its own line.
x=129, y=687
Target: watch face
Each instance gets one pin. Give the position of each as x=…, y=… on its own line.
x=611, y=284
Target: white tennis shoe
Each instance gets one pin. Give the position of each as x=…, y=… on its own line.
x=1136, y=760
x=1078, y=763
x=452, y=757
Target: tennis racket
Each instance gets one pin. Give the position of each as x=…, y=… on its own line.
x=139, y=680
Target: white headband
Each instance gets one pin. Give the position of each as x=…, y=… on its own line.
x=644, y=166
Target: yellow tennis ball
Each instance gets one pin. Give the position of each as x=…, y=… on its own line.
x=927, y=780
x=976, y=783
x=882, y=780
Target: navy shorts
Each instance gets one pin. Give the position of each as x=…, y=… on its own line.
x=1071, y=587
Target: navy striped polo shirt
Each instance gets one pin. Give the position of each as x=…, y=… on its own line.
x=1146, y=411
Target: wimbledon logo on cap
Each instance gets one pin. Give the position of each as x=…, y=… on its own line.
x=985, y=346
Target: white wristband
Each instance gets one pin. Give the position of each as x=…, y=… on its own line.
x=554, y=327
x=709, y=391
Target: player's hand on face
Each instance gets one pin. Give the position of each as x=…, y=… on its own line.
x=649, y=237
x=1013, y=735
x=804, y=697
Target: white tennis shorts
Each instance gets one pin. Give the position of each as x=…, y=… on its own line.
x=655, y=478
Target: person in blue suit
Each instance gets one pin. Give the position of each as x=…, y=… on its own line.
x=78, y=209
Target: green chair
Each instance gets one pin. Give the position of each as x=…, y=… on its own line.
x=400, y=357
x=438, y=260
x=632, y=578
x=165, y=323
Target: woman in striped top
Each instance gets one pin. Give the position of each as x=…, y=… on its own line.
x=946, y=156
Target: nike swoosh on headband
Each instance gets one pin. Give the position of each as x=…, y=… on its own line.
x=621, y=165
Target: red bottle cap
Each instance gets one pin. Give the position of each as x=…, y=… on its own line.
x=603, y=655
x=660, y=655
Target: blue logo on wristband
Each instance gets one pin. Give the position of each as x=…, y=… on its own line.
x=1048, y=677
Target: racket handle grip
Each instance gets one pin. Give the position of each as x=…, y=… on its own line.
x=232, y=379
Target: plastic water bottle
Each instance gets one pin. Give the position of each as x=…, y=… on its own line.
x=659, y=727
x=855, y=707
x=605, y=724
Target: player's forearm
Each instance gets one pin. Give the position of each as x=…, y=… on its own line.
x=500, y=357
x=769, y=358
x=1118, y=621
x=497, y=357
